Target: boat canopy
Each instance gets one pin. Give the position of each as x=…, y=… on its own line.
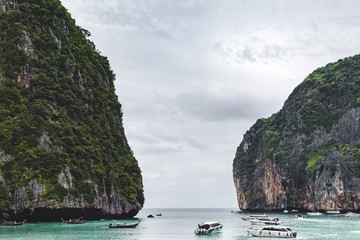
x=258, y=216
x=207, y=225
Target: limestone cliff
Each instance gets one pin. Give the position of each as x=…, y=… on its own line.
x=307, y=155
x=63, y=151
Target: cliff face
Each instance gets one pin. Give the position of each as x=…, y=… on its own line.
x=308, y=154
x=63, y=151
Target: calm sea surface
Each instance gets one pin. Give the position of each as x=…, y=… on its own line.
x=176, y=224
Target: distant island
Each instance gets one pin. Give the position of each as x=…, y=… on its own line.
x=307, y=155
x=63, y=151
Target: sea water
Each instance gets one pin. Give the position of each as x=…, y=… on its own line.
x=179, y=224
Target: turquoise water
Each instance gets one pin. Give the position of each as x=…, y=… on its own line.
x=176, y=224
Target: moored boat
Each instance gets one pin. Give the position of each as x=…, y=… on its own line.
x=351, y=214
x=124, y=225
x=333, y=211
x=267, y=221
x=314, y=213
x=74, y=221
x=272, y=232
x=253, y=217
x=207, y=228
x=11, y=223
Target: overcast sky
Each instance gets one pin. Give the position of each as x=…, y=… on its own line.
x=194, y=75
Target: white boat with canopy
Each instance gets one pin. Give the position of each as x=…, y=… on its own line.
x=254, y=217
x=207, y=228
x=266, y=221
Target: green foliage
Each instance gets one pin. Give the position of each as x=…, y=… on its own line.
x=351, y=152
x=312, y=164
x=272, y=138
x=295, y=198
x=328, y=146
x=5, y=199
x=321, y=98
x=282, y=154
x=249, y=194
x=58, y=109
x=54, y=191
x=314, y=158
x=350, y=149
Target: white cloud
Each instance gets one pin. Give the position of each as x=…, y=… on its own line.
x=224, y=105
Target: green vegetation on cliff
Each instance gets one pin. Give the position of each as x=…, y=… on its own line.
x=59, y=115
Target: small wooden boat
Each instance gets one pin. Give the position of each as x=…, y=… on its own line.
x=159, y=214
x=74, y=221
x=124, y=225
x=151, y=216
x=11, y=223
x=207, y=228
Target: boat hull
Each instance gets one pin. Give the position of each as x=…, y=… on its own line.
x=79, y=222
x=73, y=221
x=209, y=231
x=124, y=225
x=314, y=213
x=271, y=233
x=208, y=228
x=333, y=212
x=12, y=224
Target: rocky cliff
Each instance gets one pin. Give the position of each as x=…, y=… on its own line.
x=307, y=155
x=63, y=151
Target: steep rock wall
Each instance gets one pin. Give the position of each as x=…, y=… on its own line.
x=63, y=151
x=306, y=155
